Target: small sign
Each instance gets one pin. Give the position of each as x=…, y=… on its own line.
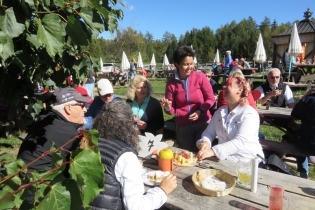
x=149, y=143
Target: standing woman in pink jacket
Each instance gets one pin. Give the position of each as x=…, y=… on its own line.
x=189, y=95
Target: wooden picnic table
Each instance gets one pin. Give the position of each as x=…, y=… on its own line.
x=248, y=71
x=307, y=68
x=275, y=112
x=301, y=192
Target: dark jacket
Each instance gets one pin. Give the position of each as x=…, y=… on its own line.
x=304, y=110
x=153, y=116
x=278, y=101
x=54, y=127
x=110, y=151
x=97, y=106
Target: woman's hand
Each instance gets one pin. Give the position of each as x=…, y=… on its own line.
x=204, y=145
x=194, y=116
x=168, y=184
x=141, y=125
x=166, y=103
x=205, y=153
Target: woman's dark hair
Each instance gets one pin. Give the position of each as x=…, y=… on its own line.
x=115, y=122
x=182, y=52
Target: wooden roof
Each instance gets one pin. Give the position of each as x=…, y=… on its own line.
x=303, y=27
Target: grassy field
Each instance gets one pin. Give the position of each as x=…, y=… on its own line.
x=9, y=147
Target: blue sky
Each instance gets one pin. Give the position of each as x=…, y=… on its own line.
x=179, y=16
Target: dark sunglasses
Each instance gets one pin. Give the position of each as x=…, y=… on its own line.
x=208, y=76
x=78, y=104
x=276, y=77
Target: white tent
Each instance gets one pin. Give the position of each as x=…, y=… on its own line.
x=139, y=63
x=165, y=61
x=153, y=63
x=295, y=47
x=101, y=64
x=124, y=62
x=260, y=53
x=217, y=57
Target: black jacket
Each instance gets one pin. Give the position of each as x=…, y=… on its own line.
x=110, y=151
x=153, y=116
x=54, y=127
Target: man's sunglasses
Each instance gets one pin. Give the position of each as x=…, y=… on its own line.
x=276, y=77
x=78, y=104
x=208, y=76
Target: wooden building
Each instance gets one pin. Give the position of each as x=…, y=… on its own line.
x=306, y=30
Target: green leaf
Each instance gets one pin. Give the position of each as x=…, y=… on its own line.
x=30, y=2
x=58, y=198
x=32, y=39
x=9, y=202
x=111, y=23
x=51, y=33
x=75, y=27
x=59, y=3
x=81, y=167
x=9, y=25
x=14, y=166
x=88, y=15
x=7, y=46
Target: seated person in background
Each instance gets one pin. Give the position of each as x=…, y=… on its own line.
x=146, y=109
x=244, y=64
x=214, y=85
x=236, y=125
x=123, y=172
x=59, y=126
x=142, y=72
x=279, y=94
x=291, y=66
x=304, y=138
x=106, y=95
x=173, y=67
x=83, y=92
x=250, y=99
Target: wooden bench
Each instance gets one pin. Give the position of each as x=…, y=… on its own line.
x=285, y=76
x=282, y=147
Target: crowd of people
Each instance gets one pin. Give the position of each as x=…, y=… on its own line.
x=202, y=116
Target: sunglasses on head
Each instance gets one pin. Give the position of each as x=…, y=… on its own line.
x=275, y=77
x=78, y=104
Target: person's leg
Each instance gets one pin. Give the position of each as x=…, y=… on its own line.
x=198, y=130
x=302, y=164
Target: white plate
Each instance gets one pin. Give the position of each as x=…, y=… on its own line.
x=158, y=173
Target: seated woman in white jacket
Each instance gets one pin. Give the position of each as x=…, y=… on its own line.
x=236, y=125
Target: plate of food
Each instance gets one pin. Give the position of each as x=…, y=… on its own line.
x=154, y=178
x=185, y=159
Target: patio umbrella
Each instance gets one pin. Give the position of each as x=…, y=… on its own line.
x=195, y=58
x=139, y=63
x=153, y=63
x=295, y=47
x=260, y=53
x=124, y=62
x=217, y=57
x=101, y=64
x=165, y=61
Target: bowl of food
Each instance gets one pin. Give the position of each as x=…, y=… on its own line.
x=185, y=159
x=213, y=182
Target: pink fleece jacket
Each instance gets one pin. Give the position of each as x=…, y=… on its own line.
x=188, y=96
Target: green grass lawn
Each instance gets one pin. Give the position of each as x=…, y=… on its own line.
x=9, y=147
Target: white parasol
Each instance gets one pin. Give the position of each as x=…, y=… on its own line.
x=124, y=62
x=195, y=58
x=153, y=63
x=101, y=64
x=139, y=63
x=217, y=57
x=260, y=53
x=295, y=47
x=165, y=61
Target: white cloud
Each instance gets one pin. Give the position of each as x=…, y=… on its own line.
x=131, y=7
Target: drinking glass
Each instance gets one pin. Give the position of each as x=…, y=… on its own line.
x=276, y=197
x=244, y=172
x=258, y=104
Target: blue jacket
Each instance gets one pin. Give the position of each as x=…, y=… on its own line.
x=94, y=110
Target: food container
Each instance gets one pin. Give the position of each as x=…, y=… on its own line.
x=223, y=176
